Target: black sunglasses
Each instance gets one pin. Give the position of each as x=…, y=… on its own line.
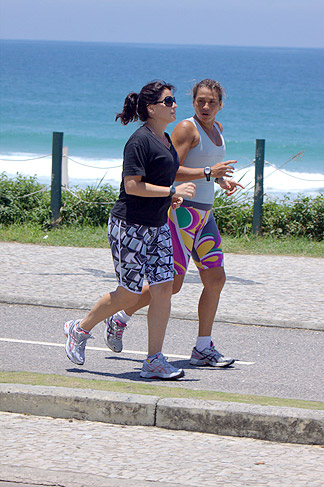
x=168, y=101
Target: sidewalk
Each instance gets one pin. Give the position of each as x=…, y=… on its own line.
x=60, y=452
x=260, y=290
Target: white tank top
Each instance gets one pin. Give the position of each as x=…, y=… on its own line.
x=206, y=153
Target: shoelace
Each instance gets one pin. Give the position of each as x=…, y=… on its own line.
x=118, y=330
x=84, y=342
x=165, y=362
x=215, y=352
x=84, y=339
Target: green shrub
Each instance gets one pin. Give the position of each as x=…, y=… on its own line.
x=90, y=206
x=302, y=217
x=232, y=217
x=16, y=207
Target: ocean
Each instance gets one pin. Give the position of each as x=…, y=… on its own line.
x=276, y=94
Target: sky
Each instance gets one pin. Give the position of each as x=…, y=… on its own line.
x=277, y=23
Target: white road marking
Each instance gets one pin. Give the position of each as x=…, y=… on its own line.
x=104, y=349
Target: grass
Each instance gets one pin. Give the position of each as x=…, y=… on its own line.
x=294, y=246
x=97, y=237
x=150, y=389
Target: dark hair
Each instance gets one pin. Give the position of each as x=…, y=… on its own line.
x=212, y=85
x=135, y=105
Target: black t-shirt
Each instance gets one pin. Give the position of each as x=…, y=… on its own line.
x=145, y=155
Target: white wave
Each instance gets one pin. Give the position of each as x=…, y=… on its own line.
x=88, y=171
x=281, y=181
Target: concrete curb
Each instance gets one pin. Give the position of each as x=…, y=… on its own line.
x=90, y=405
x=281, y=424
x=234, y=419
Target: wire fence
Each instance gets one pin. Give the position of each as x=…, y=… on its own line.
x=35, y=192
x=89, y=165
x=108, y=202
x=26, y=160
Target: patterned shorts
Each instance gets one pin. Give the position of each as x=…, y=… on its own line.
x=140, y=251
x=194, y=232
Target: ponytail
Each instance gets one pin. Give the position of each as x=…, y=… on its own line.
x=129, y=112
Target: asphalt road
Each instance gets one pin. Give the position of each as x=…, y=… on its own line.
x=271, y=361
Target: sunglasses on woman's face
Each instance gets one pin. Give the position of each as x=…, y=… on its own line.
x=168, y=101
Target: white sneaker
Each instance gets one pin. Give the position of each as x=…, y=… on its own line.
x=76, y=341
x=210, y=356
x=113, y=334
x=159, y=368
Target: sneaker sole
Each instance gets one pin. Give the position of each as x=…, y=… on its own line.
x=218, y=365
x=150, y=375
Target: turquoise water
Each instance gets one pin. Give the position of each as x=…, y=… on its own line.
x=272, y=93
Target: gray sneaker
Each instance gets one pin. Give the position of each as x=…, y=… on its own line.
x=159, y=368
x=210, y=356
x=113, y=334
x=76, y=342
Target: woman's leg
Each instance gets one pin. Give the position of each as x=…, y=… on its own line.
x=208, y=256
x=158, y=315
x=156, y=365
x=117, y=323
x=77, y=332
x=109, y=304
x=213, y=281
x=204, y=353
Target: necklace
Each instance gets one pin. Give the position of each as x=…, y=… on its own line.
x=164, y=140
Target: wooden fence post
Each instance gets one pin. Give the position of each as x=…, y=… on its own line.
x=56, y=179
x=258, y=187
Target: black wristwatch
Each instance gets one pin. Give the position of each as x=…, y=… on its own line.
x=207, y=172
x=172, y=190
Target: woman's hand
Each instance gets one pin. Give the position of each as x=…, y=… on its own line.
x=222, y=169
x=186, y=190
x=229, y=186
x=176, y=202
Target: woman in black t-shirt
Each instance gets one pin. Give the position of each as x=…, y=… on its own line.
x=138, y=232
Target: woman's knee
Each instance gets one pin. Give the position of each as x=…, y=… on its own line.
x=162, y=291
x=125, y=297
x=214, y=279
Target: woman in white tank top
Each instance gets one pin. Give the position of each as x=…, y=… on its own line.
x=201, y=149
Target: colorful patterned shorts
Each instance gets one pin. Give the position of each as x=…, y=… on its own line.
x=139, y=251
x=194, y=232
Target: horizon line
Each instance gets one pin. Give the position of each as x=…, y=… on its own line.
x=139, y=43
